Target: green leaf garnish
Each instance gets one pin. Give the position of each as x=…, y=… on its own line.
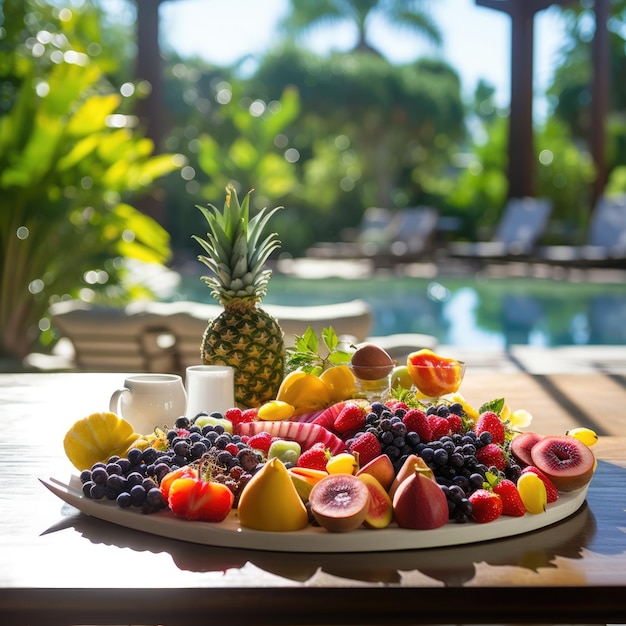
x=493, y=405
x=305, y=355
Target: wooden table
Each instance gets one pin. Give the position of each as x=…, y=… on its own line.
x=58, y=566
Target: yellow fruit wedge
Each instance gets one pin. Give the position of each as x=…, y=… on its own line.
x=584, y=435
x=533, y=493
x=275, y=410
x=342, y=463
x=271, y=502
x=97, y=437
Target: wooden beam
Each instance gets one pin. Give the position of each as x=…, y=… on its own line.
x=600, y=98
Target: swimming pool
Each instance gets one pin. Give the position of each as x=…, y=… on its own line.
x=465, y=311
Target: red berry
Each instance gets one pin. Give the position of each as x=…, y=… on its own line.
x=492, y=455
x=232, y=448
x=351, y=417
x=315, y=457
x=440, y=426
x=552, y=492
x=367, y=446
x=486, y=506
x=511, y=501
x=234, y=415
x=416, y=421
x=261, y=441
x=455, y=422
x=489, y=421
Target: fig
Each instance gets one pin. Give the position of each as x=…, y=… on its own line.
x=419, y=502
x=565, y=460
x=521, y=445
x=381, y=468
x=339, y=502
x=380, y=509
x=370, y=362
x=407, y=469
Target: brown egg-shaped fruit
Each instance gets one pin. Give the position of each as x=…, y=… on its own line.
x=370, y=362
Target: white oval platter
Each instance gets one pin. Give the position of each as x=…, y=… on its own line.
x=229, y=534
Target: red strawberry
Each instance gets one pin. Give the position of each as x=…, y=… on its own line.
x=489, y=421
x=196, y=499
x=393, y=405
x=416, y=421
x=440, y=426
x=249, y=415
x=511, y=501
x=351, y=417
x=315, y=457
x=492, y=455
x=455, y=422
x=486, y=506
x=552, y=492
x=261, y=441
x=367, y=446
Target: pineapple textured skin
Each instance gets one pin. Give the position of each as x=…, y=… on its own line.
x=251, y=342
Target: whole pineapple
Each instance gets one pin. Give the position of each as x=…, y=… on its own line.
x=244, y=336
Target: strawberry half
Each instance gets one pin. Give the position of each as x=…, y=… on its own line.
x=196, y=499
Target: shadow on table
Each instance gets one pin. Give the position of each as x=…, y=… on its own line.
x=591, y=528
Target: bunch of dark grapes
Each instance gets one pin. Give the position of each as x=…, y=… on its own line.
x=133, y=481
x=452, y=457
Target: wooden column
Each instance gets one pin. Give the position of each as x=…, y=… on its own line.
x=522, y=164
x=600, y=98
x=149, y=67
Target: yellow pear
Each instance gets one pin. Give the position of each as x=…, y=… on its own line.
x=271, y=502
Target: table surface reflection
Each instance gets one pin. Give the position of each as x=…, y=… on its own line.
x=60, y=566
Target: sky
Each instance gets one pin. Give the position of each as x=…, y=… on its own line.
x=476, y=40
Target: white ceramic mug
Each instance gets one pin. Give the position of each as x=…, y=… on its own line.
x=209, y=388
x=148, y=401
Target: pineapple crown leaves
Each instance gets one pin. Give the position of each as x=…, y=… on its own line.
x=235, y=250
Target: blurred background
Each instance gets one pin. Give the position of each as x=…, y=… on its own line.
x=118, y=117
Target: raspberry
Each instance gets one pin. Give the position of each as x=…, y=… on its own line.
x=261, y=441
x=234, y=416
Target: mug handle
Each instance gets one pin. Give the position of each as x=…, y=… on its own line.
x=115, y=400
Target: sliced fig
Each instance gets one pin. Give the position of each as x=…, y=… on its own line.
x=340, y=502
x=565, y=460
x=521, y=445
x=380, y=509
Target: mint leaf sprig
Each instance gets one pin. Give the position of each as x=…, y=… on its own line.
x=306, y=354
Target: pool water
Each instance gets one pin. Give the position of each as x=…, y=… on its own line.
x=465, y=311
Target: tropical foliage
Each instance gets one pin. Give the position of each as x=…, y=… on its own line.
x=69, y=163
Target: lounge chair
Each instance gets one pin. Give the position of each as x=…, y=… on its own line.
x=166, y=336
x=519, y=230
x=384, y=235
x=359, y=242
x=606, y=242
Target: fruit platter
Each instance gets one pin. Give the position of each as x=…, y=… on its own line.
x=330, y=447
x=403, y=471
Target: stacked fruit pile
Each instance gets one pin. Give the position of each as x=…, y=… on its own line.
x=410, y=460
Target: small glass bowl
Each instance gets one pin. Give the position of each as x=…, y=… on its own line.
x=373, y=382
x=437, y=379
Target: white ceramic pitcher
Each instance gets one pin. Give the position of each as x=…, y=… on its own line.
x=148, y=401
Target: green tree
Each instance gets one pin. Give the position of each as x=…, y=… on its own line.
x=408, y=15
x=70, y=162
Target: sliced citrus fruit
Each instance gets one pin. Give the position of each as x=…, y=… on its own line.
x=433, y=374
x=97, y=437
